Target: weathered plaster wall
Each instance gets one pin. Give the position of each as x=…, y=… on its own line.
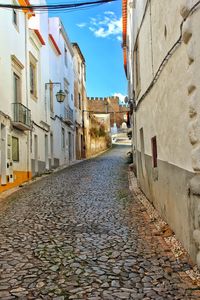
x=170, y=111
x=190, y=39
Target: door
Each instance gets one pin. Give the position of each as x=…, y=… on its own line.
x=46, y=153
x=3, y=155
x=17, y=88
x=51, y=143
x=36, y=153
x=70, y=145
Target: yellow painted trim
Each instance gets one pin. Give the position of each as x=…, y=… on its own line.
x=19, y=178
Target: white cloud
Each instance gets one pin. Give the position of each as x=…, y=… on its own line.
x=119, y=38
x=92, y=29
x=121, y=97
x=106, y=26
x=109, y=12
x=81, y=25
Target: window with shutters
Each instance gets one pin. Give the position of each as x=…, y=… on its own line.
x=17, y=87
x=33, y=76
x=17, y=73
x=15, y=149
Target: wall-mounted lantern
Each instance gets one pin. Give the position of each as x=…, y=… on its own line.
x=60, y=96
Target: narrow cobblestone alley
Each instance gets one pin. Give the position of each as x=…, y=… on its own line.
x=72, y=235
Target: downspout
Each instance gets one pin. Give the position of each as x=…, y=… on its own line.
x=27, y=91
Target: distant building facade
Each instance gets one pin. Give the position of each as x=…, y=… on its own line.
x=101, y=115
x=79, y=99
x=109, y=105
x=161, y=58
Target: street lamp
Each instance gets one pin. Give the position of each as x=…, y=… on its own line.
x=60, y=95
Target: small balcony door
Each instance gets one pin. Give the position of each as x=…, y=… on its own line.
x=36, y=153
x=46, y=152
x=3, y=155
x=17, y=88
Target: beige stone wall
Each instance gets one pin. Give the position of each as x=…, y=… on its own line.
x=95, y=143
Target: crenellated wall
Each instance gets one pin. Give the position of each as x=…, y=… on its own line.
x=108, y=105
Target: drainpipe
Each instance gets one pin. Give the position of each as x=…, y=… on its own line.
x=26, y=88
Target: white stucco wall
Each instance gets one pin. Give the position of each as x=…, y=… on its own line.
x=59, y=72
x=13, y=44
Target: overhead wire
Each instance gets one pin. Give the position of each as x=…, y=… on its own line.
x=57, y=7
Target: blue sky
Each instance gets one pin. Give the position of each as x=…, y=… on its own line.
x=97, y=30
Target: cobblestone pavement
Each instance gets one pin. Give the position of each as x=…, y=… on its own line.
x=79, y=234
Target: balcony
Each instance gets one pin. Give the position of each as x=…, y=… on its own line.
x=68, y=116
x=21, y=117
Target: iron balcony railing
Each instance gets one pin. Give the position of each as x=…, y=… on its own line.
x=69, y=115
x=21, y=116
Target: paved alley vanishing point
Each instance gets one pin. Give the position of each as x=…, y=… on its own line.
x=78, y=234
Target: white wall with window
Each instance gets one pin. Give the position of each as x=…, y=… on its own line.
x=61, y=71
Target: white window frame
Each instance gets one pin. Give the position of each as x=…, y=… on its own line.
x=33, y=64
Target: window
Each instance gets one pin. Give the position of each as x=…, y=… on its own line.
x=15, y=149
x=79, y=100
x=84, y=72
x=17, y=88
x=17, y=72
x=15, y=19
x=66, y=56
x=137, y=68
x=142, y=151
x=63, y=137
x=66, y=87
x=33, y=76
x=154, y=151
x=51, y=143
x=51, y=96
x=15, y=15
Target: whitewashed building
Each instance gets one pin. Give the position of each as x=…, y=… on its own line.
x=15, y=116
x=80, y=99
x=38, y=76
x=161, y=56
x=61, y=76
x=37, y=133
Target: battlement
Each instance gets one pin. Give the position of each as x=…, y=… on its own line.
x=103, y=98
